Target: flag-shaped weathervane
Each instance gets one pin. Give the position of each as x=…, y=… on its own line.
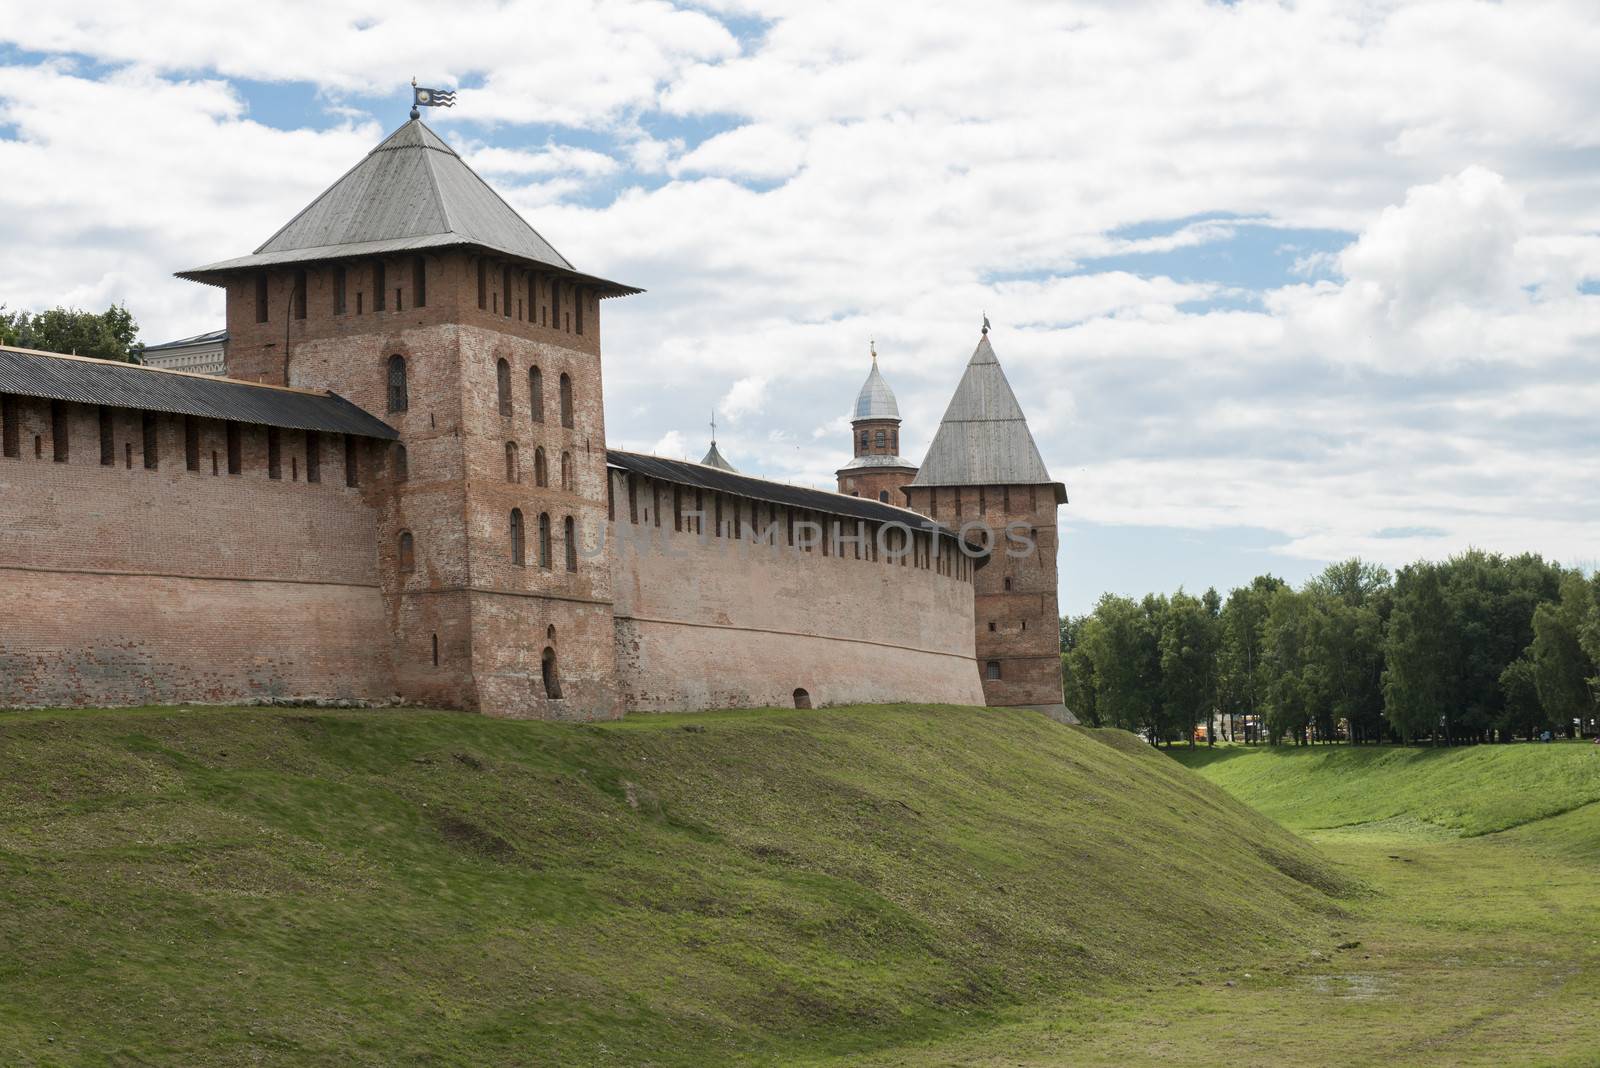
x=422, y=97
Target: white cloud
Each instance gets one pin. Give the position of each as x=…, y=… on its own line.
x=893, y=170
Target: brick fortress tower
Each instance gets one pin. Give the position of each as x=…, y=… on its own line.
x=983, y=466
x=412, y=289
x=878, y=471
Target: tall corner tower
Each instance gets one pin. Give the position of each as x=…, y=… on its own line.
x=877, y=471
x=412, y=289
x=983, y=466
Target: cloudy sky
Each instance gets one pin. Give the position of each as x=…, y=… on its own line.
x=1277, y=283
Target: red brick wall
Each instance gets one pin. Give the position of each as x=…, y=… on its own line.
x=870, y=482
x=1016, y=627
x=719, y=624
x=125, y=585
x=490, y=617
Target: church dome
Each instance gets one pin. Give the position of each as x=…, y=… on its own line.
x=876, y=399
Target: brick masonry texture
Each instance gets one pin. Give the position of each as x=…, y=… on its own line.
x=707, y=622
x=179, y=581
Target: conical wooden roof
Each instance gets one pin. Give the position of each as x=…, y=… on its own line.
x=984, y=439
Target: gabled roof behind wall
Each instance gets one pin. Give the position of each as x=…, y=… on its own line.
x=686, y=473
x=80, y=380
x=410, y=193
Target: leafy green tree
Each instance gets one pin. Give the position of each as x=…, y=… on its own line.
x=1288, y=650
x=1420, y=653
x=1188, y=643
x=1240, y=667
x=1121, y=644
x=1077, y=670
x=109, y=335
x=1523, y=711
x=1562, y=670
x=1349, y=603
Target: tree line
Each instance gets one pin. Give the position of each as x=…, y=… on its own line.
x=109, y=335
x=1479, y=647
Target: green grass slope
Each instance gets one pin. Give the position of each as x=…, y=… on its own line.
x=229, y=887
x=1448, y=791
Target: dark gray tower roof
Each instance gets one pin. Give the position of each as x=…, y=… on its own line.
x=714, y=458
x=984, y=438
x=410, y=193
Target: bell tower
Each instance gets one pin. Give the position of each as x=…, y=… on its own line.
x=412, y=289
x=878, y=471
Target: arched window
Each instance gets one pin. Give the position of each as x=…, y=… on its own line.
x=566, y=399
x=518, y=555
x=402, y=469
x=399, y=401
x=802, y=699
x=536, y=393
x=408, y=552
x=883, y=495
x=568, y=478
x=865, y=439
x=569, y=534
x=544, y=540
x=880, y=439
x=513, y=466
x=550, y=634
x=502, y=381
x=547, y=671
x=541, y=471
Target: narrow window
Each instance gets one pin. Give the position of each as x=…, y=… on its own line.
x=579, y=297
x=261, y=297
x=568, y=481
x=401, y=465
x=566, y=399
x=299, y=294
x=878, y=439
x=991, y=670
x=505, y=291
x=569, y=534
x=380, y=285
x=340, y=283
x=108, y=439
x=502, y=381
x=10, y=433
x=399, y=398
x=883, y=495
x=274, y=453
x=399, y=305
x=544, y=540
x=294, y=469
x=1005, y=498
x=191, y=443
x=152, y=456
x=517, y=553
x=677, y=508
x=1008, y=584
x=360, y=299
x=419, y=299
x=865, y=439
x=541, y=473
x=313, y=456
x=352, y=462
x=408, y=552
x=536, y=393
x=547, y=669
x=555, y=304
x=435, y=650
x=513, y=468
x=483, y=283
x=58, y=431
x=533, y=297
x=214, y=468
x=235, y=449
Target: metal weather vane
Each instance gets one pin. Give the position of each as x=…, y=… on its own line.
x=423, y=97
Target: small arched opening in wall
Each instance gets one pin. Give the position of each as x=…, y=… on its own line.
x=802, y=698
x=549, y=675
